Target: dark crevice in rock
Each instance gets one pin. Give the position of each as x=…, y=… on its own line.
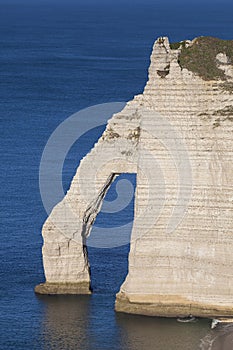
x=162, y=73
x=94, y=207
x=91, y=214
x=227, y=86
x=134, y=135
x=226, y=111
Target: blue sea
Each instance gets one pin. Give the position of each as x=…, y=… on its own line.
x=57, y=58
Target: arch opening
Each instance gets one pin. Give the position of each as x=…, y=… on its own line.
x=107, y=232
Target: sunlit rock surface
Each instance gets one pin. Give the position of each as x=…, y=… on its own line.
x=177, y=137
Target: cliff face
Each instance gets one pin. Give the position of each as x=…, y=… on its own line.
x=177, y=136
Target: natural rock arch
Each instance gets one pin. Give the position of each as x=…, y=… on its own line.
x=188, y=271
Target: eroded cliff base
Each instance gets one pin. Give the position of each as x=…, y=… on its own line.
x=63, y=288
x=169, y=306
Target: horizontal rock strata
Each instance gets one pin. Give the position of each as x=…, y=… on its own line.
x=63, y=288
x=178, y=137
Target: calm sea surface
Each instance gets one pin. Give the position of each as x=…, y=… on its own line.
x=56, y=59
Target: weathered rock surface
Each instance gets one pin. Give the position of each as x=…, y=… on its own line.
x=178, y=137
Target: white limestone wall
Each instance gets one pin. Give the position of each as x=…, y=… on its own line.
x=177, y=137
x=194, y=262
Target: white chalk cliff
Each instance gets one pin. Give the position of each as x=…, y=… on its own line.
x=178, y=138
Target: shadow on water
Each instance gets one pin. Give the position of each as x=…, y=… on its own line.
x=79, y=322
x=65, y=322
x=142, y=333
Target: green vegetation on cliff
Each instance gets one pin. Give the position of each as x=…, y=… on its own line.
x=200, y=57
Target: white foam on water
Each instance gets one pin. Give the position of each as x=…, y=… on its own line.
x=222, y=331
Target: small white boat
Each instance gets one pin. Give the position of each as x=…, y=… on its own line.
x=188, y=319
x=221, y=320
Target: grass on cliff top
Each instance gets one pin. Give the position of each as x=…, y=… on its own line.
x=200, y=58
